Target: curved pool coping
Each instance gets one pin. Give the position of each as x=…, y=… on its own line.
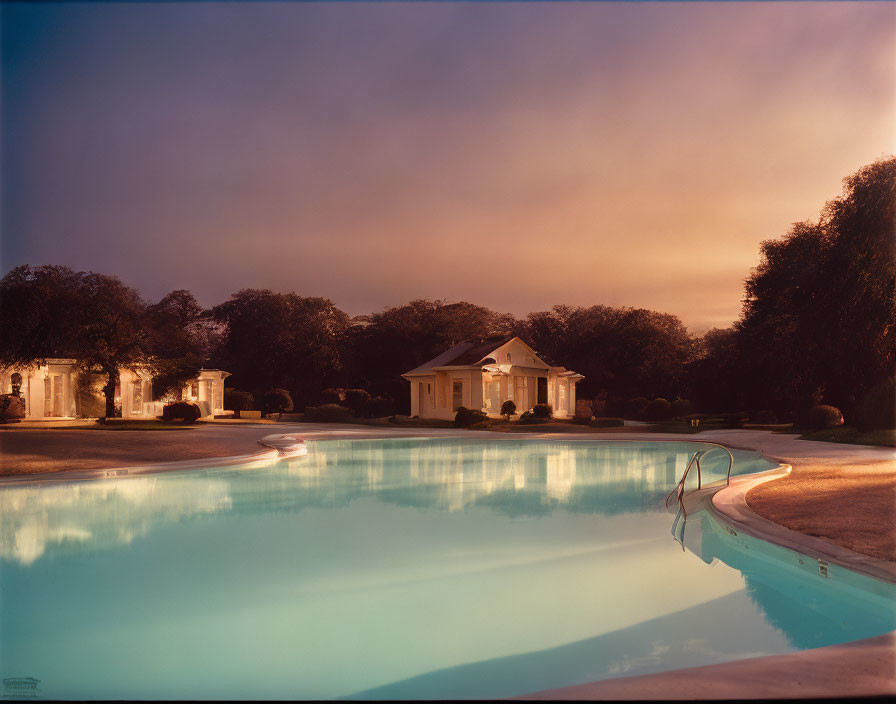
x=278, y=446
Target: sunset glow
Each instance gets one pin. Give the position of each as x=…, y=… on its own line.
x=512, y=155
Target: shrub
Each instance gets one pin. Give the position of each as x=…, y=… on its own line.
x=277, y=401
x=599, y=404
x=765, y=417
x=468, y=416
x=635, y=407
x=657, y=410
x=543, y=410
x=356, y=400
x=328, y=396
x=733, y=420
x=508, y=408
x=681, y=407
x=584, y=410
x=379, y=407
x=529, y=418
x=328, y=413
x=239, y=400
x=876, y=409
x=187, y=411
x=12, y=408
x=607, y=422
x=821, y=417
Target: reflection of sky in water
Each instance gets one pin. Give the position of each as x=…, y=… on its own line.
x=400, y=568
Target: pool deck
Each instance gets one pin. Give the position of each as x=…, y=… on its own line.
x=838, y=502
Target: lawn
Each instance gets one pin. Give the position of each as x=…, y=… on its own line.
x=853, y=436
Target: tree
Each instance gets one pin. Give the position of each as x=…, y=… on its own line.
x=508, y=408
x=53, y=311
x=281, y=340
x=383, y=346
x=180, y=340
x=277, y=401
x=112, y=334
x=819, y=317
x=625, y=351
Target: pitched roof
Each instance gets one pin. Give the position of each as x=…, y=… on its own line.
x=464, y=354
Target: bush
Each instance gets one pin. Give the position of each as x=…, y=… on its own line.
x=821, y=417
x=529, y=418
x=607, y=422
x=508, y=408
x=635, y=407
x=468, y=416
x=379, y=407
x=765, y=417
x=187, y=411
x=658, y=410
x=681, y=408
x=277, y=401
x=543, y=410
x=328, y=413
x=238, y=400
x=876, y=409
x=733, y=420
x=328, y=396
x=12, y=408
x=356, y=400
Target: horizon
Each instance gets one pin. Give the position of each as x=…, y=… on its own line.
x=612, y=154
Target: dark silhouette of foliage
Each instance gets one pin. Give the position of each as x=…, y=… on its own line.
x=356, y=400
x=187, y=411
x=277, y=401
x=238, y=400
x=328, y=413
x=466, y=417
x=658, y=409
x=621, y=351
x=821, y=417
x=508, y=408
x=876, y=409
x=281, y=340
x=542, y=410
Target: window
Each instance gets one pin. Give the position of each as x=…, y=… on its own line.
x=457, y=394
x=432, y=399
x=508, y=356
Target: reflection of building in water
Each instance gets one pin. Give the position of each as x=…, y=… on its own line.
x=98, y=514
x=511, y=476
x=452, y=475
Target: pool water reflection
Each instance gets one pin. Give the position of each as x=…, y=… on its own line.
x=409, y=568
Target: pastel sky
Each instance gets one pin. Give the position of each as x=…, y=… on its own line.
x=512, y=155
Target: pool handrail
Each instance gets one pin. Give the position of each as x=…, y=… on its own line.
x=695, y=459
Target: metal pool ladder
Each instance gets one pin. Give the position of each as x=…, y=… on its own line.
x=679, y=489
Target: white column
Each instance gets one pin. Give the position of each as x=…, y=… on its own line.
x=415, y=398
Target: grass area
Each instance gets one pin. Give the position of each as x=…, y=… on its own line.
x=119, y=424
x=853, y=436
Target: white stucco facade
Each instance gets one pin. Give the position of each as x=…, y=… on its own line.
x=206, y=391
x=485, y=375
x=50, y=390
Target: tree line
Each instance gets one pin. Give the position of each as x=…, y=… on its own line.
x=817, y=326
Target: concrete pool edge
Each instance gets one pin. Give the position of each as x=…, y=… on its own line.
x=278, y=446
x=862, y=668
x=729, y=505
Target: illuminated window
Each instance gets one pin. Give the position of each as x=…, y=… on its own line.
x=508, y=356
x=458, y=394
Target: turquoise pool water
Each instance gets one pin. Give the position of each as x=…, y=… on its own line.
x=411, y=568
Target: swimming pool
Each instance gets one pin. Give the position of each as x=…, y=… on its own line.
x=409, y=568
